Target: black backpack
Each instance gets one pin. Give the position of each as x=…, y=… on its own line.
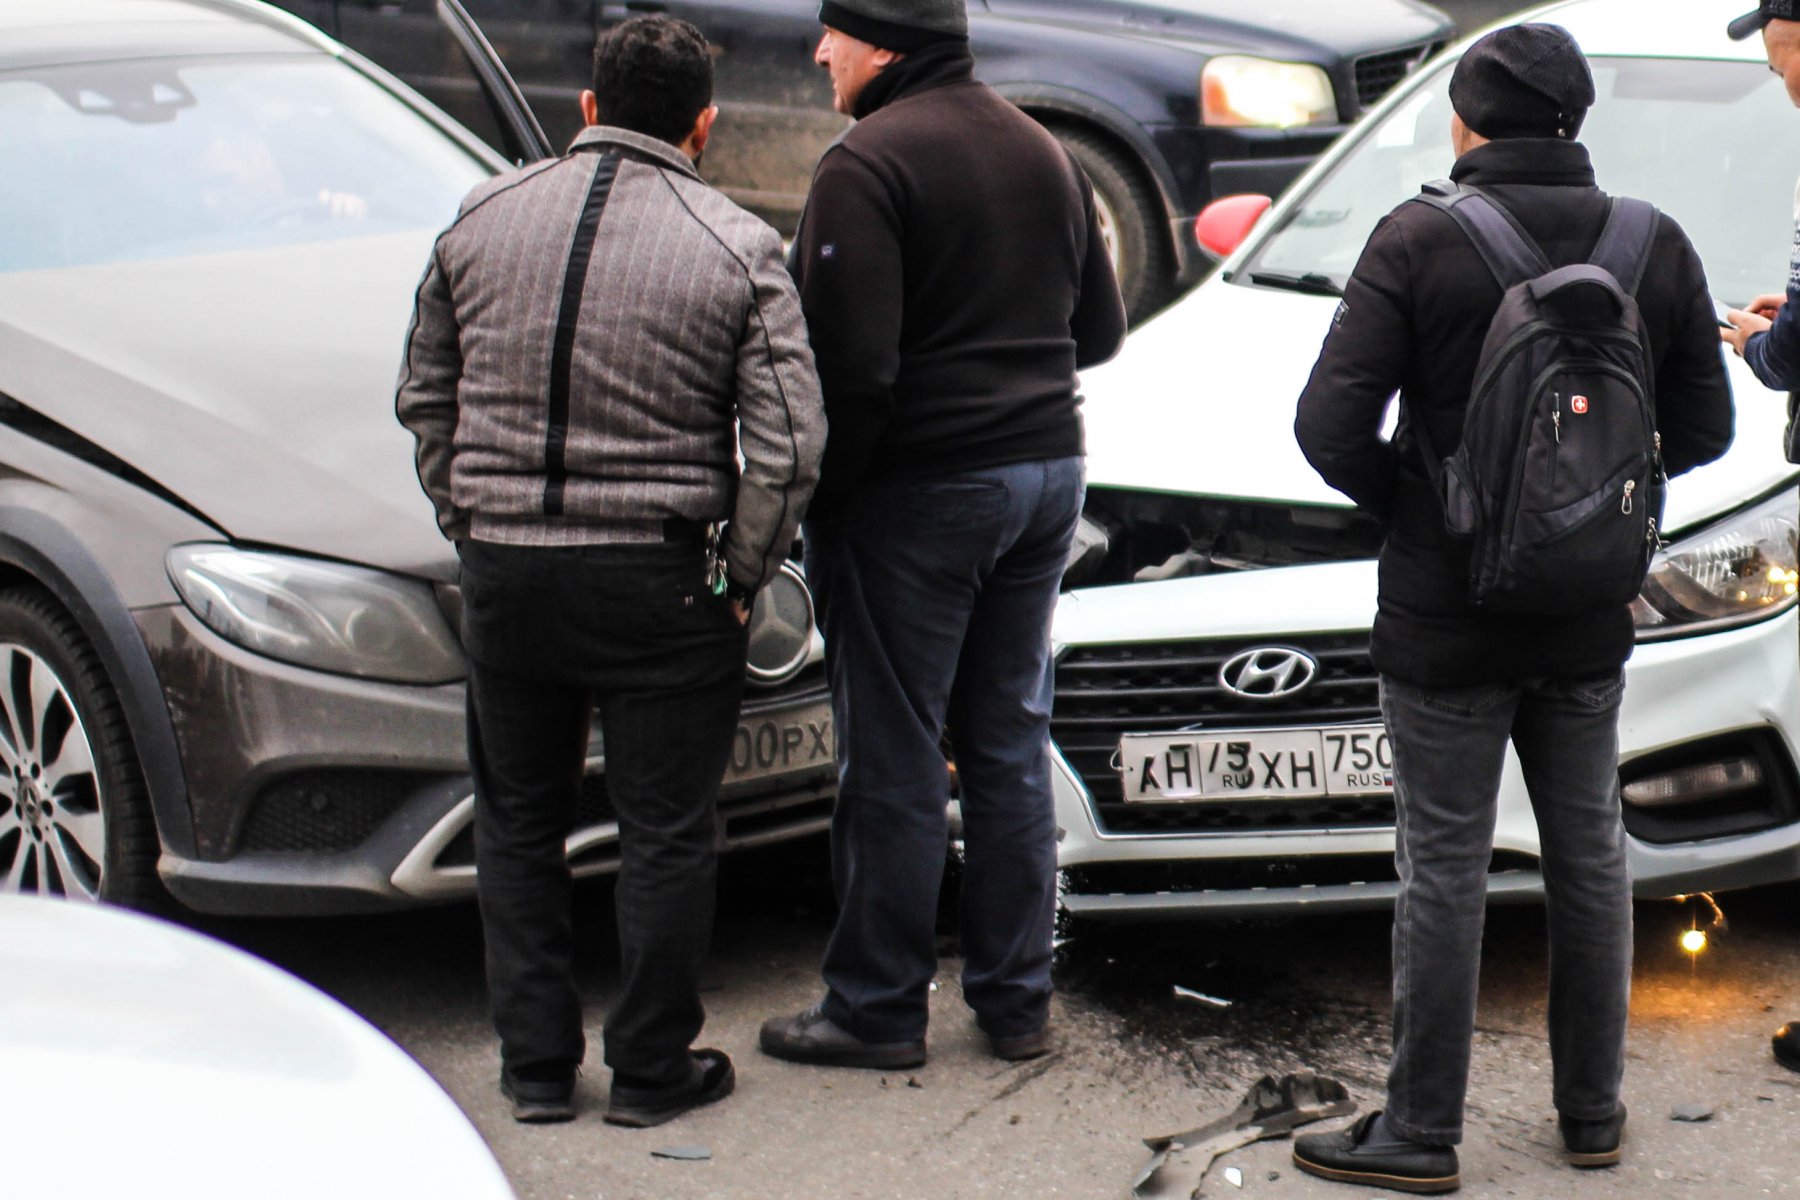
x=1558, y=481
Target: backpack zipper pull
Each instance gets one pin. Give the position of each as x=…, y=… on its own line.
x=1556, y=416
x=1653, y=537
x=1625, y=505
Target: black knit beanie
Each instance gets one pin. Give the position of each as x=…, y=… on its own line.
x=1523, y=81
x=898, y=25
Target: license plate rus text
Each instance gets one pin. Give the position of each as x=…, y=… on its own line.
x=1244, y=764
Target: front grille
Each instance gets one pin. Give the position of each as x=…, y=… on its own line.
x=1162, y=687
x=1376, y=74
x=1252, y=816
x=747, y=820
x=326, y=811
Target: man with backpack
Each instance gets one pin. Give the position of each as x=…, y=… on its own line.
x=1533, y=429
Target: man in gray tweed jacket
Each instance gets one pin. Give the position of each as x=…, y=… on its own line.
x=598, y=338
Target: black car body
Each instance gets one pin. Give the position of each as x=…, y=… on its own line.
x=1121, y=82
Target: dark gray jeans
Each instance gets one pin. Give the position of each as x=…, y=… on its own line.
x=552, y=633
x=1449, y=746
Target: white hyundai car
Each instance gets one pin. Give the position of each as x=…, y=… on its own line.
x=1220, y=748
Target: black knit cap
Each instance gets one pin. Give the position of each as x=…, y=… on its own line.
x=898, y=25
x=1768, y=10
x=1523, y=81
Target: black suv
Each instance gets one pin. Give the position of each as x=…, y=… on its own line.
x=1166, y=103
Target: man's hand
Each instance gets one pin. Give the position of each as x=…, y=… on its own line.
x=741, y=611
x=1766, y=305
x=1744, y=325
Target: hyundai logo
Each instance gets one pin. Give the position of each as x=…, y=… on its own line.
x=1268, y=673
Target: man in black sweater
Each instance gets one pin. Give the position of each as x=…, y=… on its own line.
x=1458, y=682
x=953, y=278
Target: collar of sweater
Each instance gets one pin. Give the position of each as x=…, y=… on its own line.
x=1550, y=161
x=603, y=137
x=933, y=67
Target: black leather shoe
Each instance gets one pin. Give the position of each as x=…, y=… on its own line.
x=1349, y=1157
x=810, y=1037
x=539, y=1101
x=1786, y=1045
x=1593, y=1143
x=712, y=1079
x=1021, y=1046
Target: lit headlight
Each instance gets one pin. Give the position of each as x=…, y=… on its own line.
x=1235, y=90
x=325, y=615
x=1740, y=570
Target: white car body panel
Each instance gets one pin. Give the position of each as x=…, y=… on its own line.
x=142, y=1059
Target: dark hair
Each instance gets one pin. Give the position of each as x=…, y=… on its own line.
x=653, y=75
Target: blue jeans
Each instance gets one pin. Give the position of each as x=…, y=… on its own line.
x=1449, y=746
x=935, y=597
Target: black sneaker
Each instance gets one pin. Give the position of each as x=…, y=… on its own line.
x=1349, y=1156
x=640, y=1106
x=1593, y=1143
x=540, y=1101
x=1786, y=1045
x=811, y=1037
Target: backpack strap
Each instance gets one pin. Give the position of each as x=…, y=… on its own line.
x=1502, y=242
x=1623, y=250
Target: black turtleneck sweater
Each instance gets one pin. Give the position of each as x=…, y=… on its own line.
x=953, y=279
x=1414, y=316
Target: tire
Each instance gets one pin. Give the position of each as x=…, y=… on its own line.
x=1130, y=217
x=75, y=816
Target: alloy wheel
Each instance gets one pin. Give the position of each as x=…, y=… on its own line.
x=52, y=825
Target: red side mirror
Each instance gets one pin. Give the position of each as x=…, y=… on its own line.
x=1224, y=224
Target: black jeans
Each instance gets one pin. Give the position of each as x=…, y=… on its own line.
x=551, y=633
x=935, y=596
x=1449, y=748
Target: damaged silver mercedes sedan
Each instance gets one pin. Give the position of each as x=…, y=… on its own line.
x=229, y=665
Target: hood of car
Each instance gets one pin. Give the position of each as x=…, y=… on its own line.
x=204, y=1064
x=1269, y=26
x=1201, y=402
x=258, y=387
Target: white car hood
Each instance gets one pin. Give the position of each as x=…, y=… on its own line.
x=1201, y=400
x=143, y=1059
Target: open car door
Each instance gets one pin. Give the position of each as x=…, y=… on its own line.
x=522, y=138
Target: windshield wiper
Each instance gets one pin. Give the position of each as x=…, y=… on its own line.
x=1312, y=283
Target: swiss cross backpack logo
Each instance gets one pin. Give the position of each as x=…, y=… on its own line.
x=1561, y=513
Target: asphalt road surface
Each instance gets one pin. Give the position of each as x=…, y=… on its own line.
x=1134, y=1059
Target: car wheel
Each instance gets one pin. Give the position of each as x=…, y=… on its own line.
x=1130, y=221
x=74, y=814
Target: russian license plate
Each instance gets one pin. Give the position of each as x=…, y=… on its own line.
x=1250, y=764
x=782, y=743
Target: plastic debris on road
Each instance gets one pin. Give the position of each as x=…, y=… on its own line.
x=683, y=1153
x=1271, y=1108
x=1691, y=1112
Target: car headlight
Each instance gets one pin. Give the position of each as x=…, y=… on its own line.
x=325, y=615
x=1739, y=570
x=1235, y=90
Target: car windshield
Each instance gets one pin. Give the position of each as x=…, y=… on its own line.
x=115, y=161
x=1711, y=143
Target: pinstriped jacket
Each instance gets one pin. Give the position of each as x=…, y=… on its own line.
x=595, y=340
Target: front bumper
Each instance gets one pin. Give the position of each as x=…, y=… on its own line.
x=315, y=793
x=1683, y=697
